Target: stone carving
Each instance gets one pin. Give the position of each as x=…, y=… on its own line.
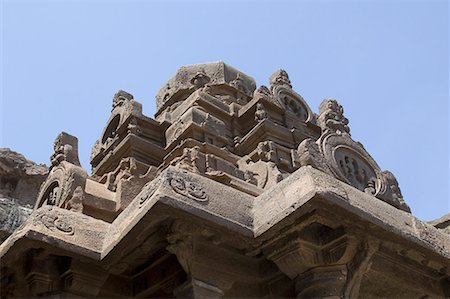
x=353, y=171
x=64, y=176
x=133, y=127
x=57, y=194
x=189, y=189
x=260, y=113
x=331, y=118
x=76, y=202
x=266, y=151
x=309, y=154
x=65, y=149
x=52, y=194
x=254, y=222
x=262, y=92
x=358, y=266
x=351, y=163
x=295, y=106
x=110, y=134
x=54, y=223
x=189, y=160
x=239, y=84
x=371, y=186
x=391, y=192
x=286, y=98
x=120, y=97
x=96, y=149
x=149, y=189
x=279, y=78
x=199, y=80
x=181, y=243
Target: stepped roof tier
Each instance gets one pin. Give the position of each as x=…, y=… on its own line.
x=232, y=190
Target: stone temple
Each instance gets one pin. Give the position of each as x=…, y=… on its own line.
x=232, y=190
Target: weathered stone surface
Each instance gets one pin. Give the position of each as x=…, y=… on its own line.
x=233, y=191
x=20, y=180
x=442, y=223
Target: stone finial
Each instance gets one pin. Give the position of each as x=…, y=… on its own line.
x=65, y=149
x=331, y=118
x=120, y=97
x=280, y=77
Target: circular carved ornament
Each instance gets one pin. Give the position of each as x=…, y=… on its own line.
x=189, y=189
x=293, y=102
x=351, y=163
x=53, y=222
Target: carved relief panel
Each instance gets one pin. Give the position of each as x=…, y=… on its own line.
x=351, y=163
x=354, y=168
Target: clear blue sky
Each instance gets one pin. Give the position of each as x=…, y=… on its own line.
x=387, y=62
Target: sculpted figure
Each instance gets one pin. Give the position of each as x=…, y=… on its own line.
x=52, y=196
x=238, y=83
x=133, y=127
x=199, y=80
x=76, y=202
x=260, y=113
x=331, y=118
x=371, y=187
x=189, y=159
x=120, y=97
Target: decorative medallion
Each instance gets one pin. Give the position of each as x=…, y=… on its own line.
x=52, y=222
x=189, y=189
x=350, y=162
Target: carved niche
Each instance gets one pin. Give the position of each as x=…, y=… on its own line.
x=286, y=98
x=124, y=111
x=64, y=176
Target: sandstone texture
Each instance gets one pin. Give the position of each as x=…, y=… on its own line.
x=232, y=191
x=20, y=180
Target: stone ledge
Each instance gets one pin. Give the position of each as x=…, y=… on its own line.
x=308, y=185
x=67, y=230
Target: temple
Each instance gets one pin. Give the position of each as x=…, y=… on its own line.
x=231, y=190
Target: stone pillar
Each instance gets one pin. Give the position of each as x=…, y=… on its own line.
x=42, y=276
x=324, y=262
x=194, y=288
x=203, y=262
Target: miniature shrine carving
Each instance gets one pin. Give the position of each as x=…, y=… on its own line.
x=230, y=191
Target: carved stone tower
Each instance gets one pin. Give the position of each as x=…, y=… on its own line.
x=231, y=191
